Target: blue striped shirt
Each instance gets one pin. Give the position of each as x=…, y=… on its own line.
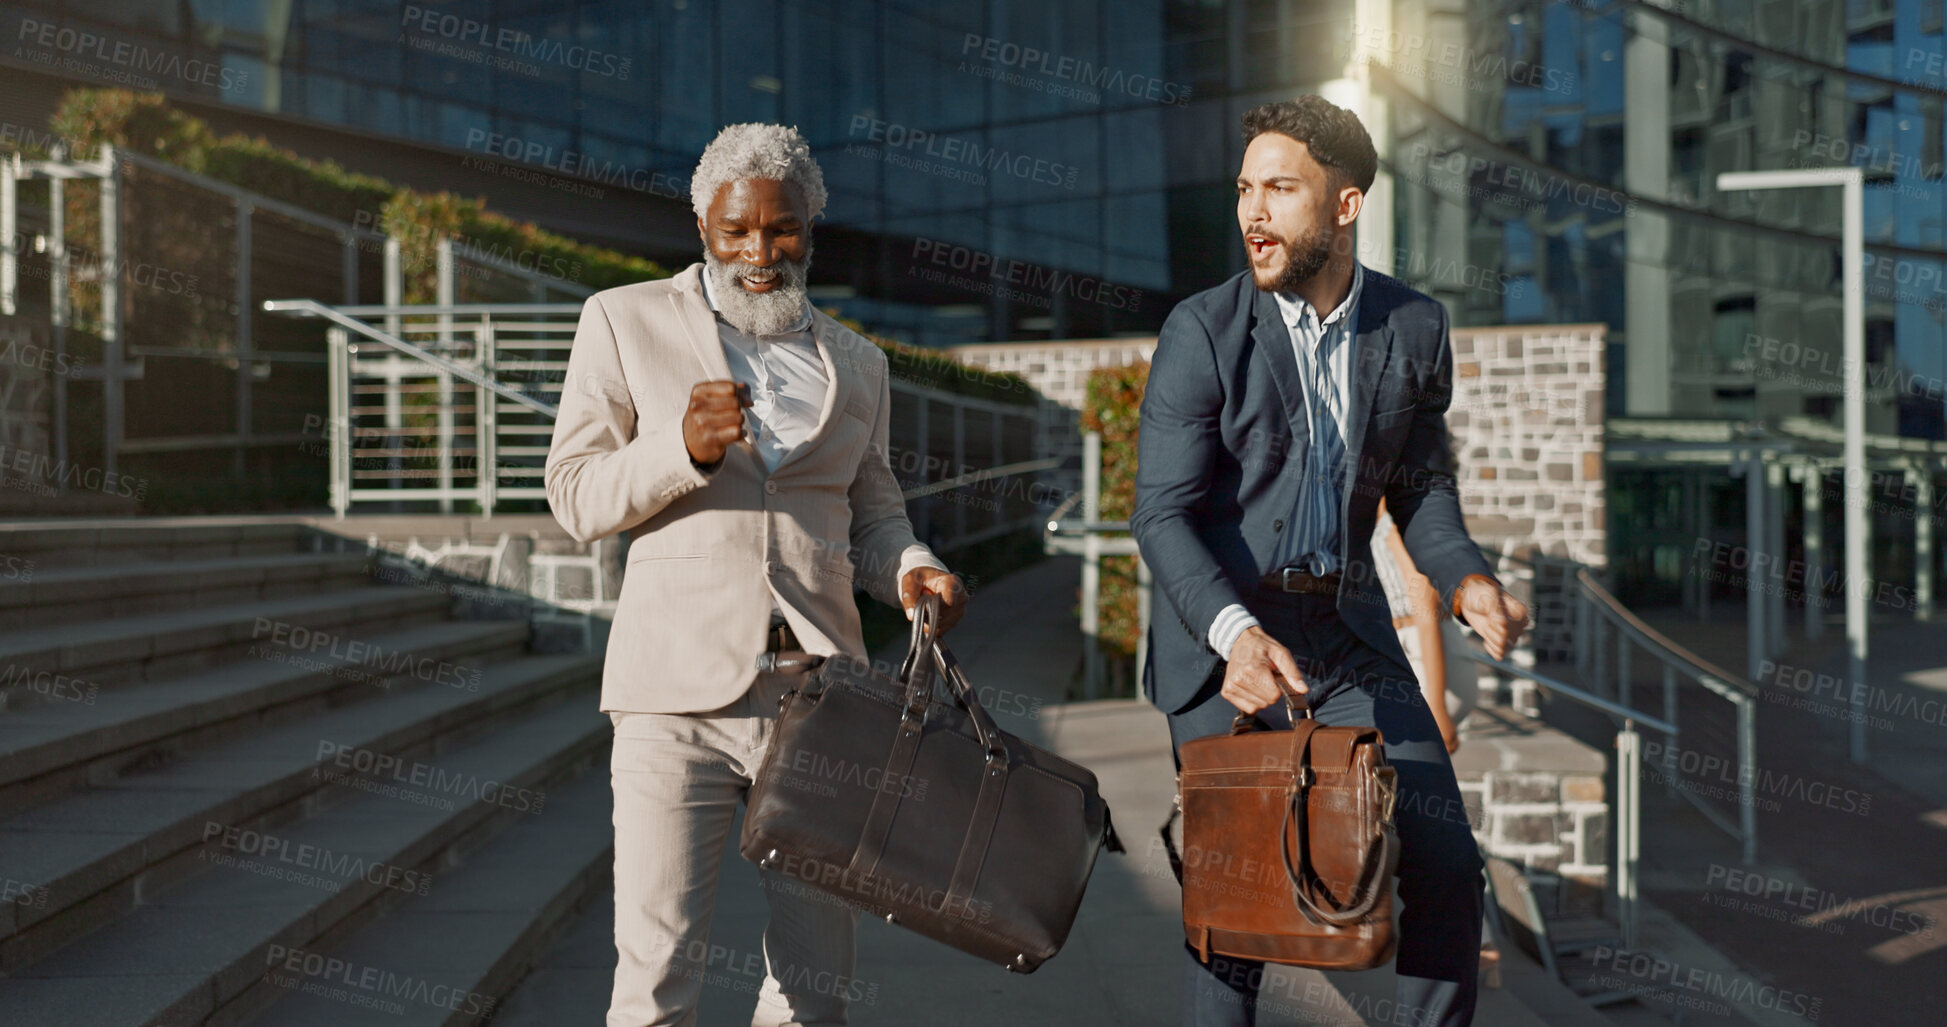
x=1323, y=349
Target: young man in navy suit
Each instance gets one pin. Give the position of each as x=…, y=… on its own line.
x=1281, y=406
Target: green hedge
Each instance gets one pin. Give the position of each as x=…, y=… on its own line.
x=146, y=123
x=1113, y=406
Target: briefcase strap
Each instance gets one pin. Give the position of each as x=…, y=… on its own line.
x=1305, y=883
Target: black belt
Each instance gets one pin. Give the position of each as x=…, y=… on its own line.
x=781, y=639
x=1294, y=579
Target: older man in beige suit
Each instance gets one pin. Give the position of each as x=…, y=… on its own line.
x=739, y=436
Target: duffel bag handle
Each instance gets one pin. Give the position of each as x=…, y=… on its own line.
x=991, y=736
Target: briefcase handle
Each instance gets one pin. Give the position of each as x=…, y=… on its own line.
x=1294, y=703
x=1306, y=886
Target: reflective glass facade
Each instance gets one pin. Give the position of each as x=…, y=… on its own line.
x=1004, y=169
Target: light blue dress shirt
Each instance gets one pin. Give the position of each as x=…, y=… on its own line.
x=1323, y=349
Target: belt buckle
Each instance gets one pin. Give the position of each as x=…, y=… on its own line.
x=1284, y=578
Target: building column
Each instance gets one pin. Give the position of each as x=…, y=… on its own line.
x=1814, y=492
x=1646, y=172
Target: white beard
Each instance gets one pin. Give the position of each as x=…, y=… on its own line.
x=759, y=313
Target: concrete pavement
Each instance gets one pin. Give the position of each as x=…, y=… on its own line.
x=1021, y=647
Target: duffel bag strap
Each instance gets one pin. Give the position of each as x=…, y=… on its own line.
x=916, y=674
x=1305, y=883
x=993, y=783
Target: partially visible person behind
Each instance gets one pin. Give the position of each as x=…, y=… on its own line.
x=1433, y=642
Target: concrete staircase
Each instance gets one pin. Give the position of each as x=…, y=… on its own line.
x=241, y=781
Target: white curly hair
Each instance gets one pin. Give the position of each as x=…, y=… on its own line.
x=757, y=150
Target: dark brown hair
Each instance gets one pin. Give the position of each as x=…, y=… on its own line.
x=1331, y=133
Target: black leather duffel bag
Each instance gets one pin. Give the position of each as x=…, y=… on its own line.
x=920, y=810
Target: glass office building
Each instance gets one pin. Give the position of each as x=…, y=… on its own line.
x=1557, y=162
x=998, y=170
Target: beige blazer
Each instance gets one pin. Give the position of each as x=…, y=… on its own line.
x=708, y=551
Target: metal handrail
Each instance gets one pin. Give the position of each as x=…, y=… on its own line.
x=1659, y=644
x=1629, y=782
x=312, y=308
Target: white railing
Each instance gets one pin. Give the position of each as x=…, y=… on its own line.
x=456, y=403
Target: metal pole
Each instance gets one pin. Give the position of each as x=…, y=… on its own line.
x=1629, y=823
x=1747, y=775
x=923, y=522
x=443, y=262
x=245, y=310
x=59, y=311
x=9, y=229
x=339, y=384
x=1858, y=566
x=112, y=366
x=1091, y=563
x=1814, y=551
x=348, y=269
x=486, y=458
x=1670, y=715
x=1774, y=494
x=1755, y=649
x=1922, y=478
x=1143, y=584
x=1622, y=667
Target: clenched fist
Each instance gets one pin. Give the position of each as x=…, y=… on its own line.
x=714, y=420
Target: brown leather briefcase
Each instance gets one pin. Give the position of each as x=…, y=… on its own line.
x=1288, y=844
x=920, y=810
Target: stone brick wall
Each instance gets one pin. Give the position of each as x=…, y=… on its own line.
x=1527, y=422
x=1536, y=797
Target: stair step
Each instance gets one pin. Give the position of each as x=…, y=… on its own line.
x=91, y=857
x=68, y=594
x=77, y=659
x=181, y=957
x=470, y=940
x=67, y=542
x=82, y=739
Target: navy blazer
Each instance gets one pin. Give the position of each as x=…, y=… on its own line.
x=1223, y=442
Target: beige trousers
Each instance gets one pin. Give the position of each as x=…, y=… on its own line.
x=678, y=779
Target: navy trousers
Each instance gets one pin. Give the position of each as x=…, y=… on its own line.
x=1439, y=866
